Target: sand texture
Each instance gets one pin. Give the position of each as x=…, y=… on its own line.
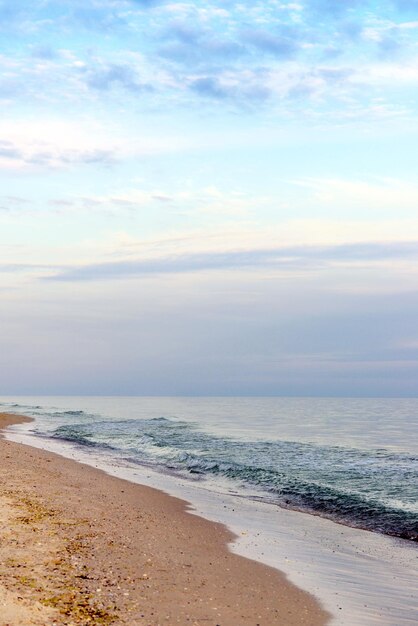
x=80, y=547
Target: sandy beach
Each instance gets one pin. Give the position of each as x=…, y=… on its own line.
x=81, y=547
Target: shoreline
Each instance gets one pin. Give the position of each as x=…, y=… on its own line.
x=124, y=553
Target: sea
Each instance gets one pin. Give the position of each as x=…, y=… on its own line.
x=325, y=489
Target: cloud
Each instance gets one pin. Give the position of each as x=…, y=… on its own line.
x=13, y=203
x=242, y=88
x=105, y=76
x=9, y=151
x=18, y=200
x=283, y=45
x=14, y=157
x=60, y=143
x=227, y=55
x=320, y=85
x=185, y=32
x=203, y=53
x=190, y=42
x=53, y=143
x=305, y=258
x=212, y=87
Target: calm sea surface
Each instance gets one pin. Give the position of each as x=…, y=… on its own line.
x=352, y=460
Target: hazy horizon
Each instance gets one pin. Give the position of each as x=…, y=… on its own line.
x=209, y=198
x=118, y=395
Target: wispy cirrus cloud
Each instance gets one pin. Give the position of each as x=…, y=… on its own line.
x=14, y=156
x=305, y=258
x=55, y=143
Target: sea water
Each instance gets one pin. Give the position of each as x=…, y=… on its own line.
x=353, y=462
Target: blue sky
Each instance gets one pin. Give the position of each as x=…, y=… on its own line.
x=209, y=197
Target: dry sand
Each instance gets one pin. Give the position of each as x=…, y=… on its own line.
x=80, y=547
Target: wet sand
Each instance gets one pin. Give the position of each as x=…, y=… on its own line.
x=80, y=547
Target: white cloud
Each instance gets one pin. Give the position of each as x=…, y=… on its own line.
x=51, y=142
x=390, y=74
x=57, y=143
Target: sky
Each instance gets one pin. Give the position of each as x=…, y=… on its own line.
x=209, y=198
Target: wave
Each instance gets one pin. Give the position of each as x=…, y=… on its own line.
x=348, y=485
x=16, y=405
x=74, y=436
x=330, y=501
